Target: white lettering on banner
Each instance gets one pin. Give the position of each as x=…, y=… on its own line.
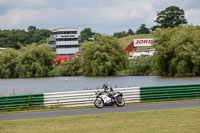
x=142, y=42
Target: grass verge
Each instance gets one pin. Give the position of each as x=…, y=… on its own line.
x=185, y=120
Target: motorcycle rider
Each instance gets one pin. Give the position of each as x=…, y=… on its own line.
x=108, y=90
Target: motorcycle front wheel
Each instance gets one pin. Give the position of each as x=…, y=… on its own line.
x=98, y=103
x=120, y=102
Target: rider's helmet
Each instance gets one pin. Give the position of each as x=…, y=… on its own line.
x=105, y=85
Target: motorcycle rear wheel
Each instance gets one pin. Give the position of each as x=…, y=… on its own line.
x=120, y=102
x=98, y=103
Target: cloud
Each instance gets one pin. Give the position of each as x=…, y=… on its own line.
x=99, y=14
x=192, y=16
x=119, y=11
x=22, y=2
x=18, y=17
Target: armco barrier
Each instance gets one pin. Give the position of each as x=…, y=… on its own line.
x=21, y=101
x=86, y=97
x=169, y=93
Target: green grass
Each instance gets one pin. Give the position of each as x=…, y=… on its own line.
x=185, y=120
x=125, y=41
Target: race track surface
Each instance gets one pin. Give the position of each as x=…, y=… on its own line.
x=113, y=109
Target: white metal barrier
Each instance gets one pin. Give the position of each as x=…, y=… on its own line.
x=86, y=97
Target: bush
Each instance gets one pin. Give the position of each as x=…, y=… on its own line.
x=103, y=57
x=177, y=51
x=140, y=66
x=71, y=68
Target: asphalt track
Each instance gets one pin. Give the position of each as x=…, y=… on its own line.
x=144, y=107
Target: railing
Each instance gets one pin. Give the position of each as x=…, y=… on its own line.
x=170, y=93
x=21, y=101
x=86, y=97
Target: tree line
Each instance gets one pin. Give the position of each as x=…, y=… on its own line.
x=34, y=60
x=16, y=37
x=177, y=54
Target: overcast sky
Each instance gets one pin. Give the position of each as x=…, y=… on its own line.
x=104, y=16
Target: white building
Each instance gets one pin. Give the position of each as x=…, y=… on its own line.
x=64, y=41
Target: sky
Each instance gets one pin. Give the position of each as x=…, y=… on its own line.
x=102, y=16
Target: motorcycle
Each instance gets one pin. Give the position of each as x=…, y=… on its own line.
x=102, y=99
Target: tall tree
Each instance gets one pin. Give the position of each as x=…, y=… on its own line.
x=8, y=63
x=171, y=17
x=31, y=29
x=177, y=51
x=103, y=56
x=35, y=60
x=40, y=35
x=130, y=32
x=143, y=30
x=153, y=28
x=85, y=34
x=120, y=34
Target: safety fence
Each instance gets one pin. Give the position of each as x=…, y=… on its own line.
x=86, y=97
x=21, y=101
x=170, y=93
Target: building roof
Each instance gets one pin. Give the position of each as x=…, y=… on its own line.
x=65, y=29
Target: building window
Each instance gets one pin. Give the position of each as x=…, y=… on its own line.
x=52, y=42
x=66, y=39
x=67, y=46
x=64, y=32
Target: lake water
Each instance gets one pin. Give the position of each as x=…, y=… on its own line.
x=57, y=84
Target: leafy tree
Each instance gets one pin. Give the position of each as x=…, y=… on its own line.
x=130, y=32
x=71, y=68
x=17, y=37
x=31, y=29
x=35, y=60
x=8, y=63
x=153, y=28
x=86, y=34
x=14, y=38
x=178, y=51
x=103, y=56
x=40, y=35
x=120, y=34
x=140, y=66
x=4, y=39
x=171, y=17
x=143, y=30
